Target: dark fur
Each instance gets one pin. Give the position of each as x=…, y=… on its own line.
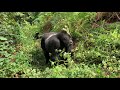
x=58, y=41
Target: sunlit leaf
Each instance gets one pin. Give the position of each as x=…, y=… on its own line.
x=3, y=38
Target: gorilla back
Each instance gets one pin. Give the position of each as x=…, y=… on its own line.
x=52, y=41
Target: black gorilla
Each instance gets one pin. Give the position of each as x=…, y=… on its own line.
x=52, y=41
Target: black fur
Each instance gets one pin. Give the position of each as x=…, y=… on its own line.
x=52, y=41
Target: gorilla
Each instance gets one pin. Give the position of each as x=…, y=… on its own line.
x=53, y=41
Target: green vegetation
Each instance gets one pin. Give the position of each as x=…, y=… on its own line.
x=96, y=55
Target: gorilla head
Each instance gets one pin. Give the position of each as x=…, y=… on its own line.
x=52, y=41
x=65, y=41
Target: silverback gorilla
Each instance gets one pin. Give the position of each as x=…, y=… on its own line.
x=52, y=41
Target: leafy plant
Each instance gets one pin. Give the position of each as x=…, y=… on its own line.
x=96, y=52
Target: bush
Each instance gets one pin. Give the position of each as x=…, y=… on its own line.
x=96, y=50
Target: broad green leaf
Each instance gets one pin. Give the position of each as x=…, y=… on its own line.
x=3, y=38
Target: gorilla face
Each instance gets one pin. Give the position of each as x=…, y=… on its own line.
x=66, y=40
x=52, y=41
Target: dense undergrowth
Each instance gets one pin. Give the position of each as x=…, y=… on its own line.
x=96, y=54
